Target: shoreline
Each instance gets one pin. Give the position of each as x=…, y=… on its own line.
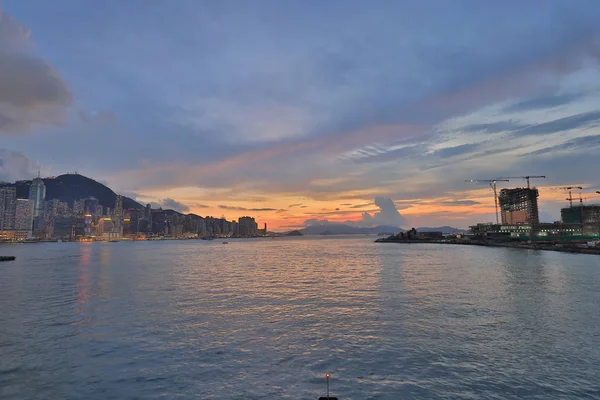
x=562, y=248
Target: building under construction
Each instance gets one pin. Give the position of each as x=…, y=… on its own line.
x=519, y=206
x=587, y=216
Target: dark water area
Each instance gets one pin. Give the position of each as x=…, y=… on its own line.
x=267, y=318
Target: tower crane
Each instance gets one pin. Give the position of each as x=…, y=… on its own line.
x=528, y=177
x=492, y=183
x=570, y=188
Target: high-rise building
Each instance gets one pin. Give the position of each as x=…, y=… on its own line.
x=118, y=213
x=91, y=206
x=588, y=216
x=519, y=205
x=37, y=194
x=247, y=226
x=8, y=200
x=24, y=218
x=78, y=207
x=159, y=222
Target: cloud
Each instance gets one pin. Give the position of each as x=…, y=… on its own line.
x=295, y=205
x=15, y=166
x=361, y=205
x=388, y=214
x=234, y=208
x=97, y=118
x=315, y=222
x=560, y=125
x=170, y=204
x=545, y=101
x=456, y=150
x=31, y=91
x=578, y=144
x=461, y=202
x=493, y=127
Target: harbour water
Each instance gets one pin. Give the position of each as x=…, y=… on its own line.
x=267, y=318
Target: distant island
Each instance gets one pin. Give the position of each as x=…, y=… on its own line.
x=294, y=233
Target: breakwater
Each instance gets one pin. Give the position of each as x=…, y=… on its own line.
x=560, y=247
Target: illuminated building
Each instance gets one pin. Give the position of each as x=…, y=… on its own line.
x=37, y=194
x=24, y=219
x=91, y=206
x=8, y=200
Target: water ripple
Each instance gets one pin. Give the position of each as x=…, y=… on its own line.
x=266, y=318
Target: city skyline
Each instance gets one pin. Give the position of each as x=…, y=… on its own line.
x=26, y=214
x=292, y=113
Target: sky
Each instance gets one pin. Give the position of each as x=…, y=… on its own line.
x=304, y=112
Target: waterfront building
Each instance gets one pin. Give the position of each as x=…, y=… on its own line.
x=105, y=226
x=118, y=213
x=247, y=226
x=158, y=222
x=24, y=219
x=64, y=228
x=8, y=204
x=555, y=231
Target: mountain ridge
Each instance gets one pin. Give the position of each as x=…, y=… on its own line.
x=70, y=187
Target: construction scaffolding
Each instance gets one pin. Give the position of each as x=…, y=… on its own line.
x=519, y=205
x=587, y=216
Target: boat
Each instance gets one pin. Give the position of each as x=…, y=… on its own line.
x=225, y=242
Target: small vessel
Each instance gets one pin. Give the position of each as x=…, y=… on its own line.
x=225, y=242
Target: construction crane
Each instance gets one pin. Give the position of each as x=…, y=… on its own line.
x=570, y=188
x=526, y=177
x=492, y=183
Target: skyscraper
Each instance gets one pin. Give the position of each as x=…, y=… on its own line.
x=118, y=214
x=8, y=200
x=37, y=193
x=91, y=206
x=24, y=218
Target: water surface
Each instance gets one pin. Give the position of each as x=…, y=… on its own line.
x=267, y=318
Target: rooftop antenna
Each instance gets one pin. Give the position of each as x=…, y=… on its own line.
x=327, y=376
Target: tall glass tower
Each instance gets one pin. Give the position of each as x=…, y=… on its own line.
x=37, y=194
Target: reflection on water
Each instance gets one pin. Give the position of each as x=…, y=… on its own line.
x=262, y=318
